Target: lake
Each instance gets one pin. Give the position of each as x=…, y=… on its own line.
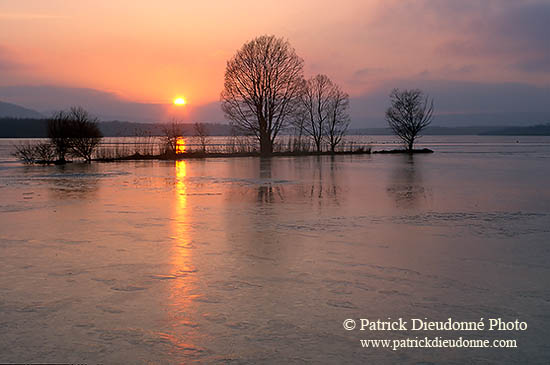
x=254, y=260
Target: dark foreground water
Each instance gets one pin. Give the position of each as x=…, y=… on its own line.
x=250, y=260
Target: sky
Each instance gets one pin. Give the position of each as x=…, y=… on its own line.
x=481, y=61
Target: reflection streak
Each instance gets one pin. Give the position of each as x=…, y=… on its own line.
x=182, y=267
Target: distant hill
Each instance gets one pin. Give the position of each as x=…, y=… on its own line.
x=486, y=130
x=9, y=110
x=535, y=130
x=23, y=128
x=36, y=128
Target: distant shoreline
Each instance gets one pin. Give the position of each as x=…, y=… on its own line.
x=36, y=128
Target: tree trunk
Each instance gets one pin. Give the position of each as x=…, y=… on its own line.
x=266, y=147
x=410, y=146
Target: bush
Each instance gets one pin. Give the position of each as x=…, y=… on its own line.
x=42, y=152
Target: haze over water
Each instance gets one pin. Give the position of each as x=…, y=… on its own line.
x=253, y=260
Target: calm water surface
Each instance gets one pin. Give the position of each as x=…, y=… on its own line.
x=251, y=260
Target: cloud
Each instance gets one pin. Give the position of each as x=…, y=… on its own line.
x=447, y=70
x=367, y=71
x=535, y=64
x=525, y=23
x=6, y=64
x=365, y=75
x=511, y=31
x=510, y=35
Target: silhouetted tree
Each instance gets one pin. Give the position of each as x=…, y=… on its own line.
x=263, y=82
x=173, y=133
x=60, y=134
x=86, y=135
x=315, y=100
x=324, y=109
x=299, y=122
x=410, y=112
x=42, y=152
x=74, y=132
x=201, y=132
x=338, y=119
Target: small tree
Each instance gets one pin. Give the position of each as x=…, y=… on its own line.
x=173, y=133
x=338, y=118
x=323, y=110
x=42, y=152
x=74, y=132
x=60, y=134
x=202, y=133
x=315, y=100
x=410, y=112
x=86, y=135
x=299, y=122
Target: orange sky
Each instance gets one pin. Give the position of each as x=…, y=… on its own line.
x=153, y=51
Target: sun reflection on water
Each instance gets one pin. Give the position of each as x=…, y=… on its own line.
x=182, y=266
x=180, y=148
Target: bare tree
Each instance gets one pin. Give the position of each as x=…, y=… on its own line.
x=173, y=133
x=42, y=152
x=45, y=152
x=263, y=82
x=25, y=152
x=202, y=133
x=338, y=117
x=86, y=135
x=74, y=132
x=410, y=112
x=60, y=134
x=315, y=100
x=324, y=108
x=300, y=120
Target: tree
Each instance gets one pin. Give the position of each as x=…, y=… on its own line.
x=324, y=108
x=201, y=132
x=410, y=112
x=86, y=135
x=263, y=82
x=60, y=134
x=74, y=132
x=299, y=122
x=338, y=120
x=315, y=100
x=41, y=152
x=173, y=133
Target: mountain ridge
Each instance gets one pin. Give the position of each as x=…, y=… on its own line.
x=10, y=110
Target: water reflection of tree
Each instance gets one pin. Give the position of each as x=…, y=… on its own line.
x=318, y=182
x=406, y=186
x=325, y=187
x=267, y=192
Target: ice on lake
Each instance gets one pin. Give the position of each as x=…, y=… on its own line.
x=251, y=260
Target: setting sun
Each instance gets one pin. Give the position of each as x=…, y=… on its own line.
x=179, y=101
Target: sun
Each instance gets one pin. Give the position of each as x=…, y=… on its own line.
x=179, y=101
